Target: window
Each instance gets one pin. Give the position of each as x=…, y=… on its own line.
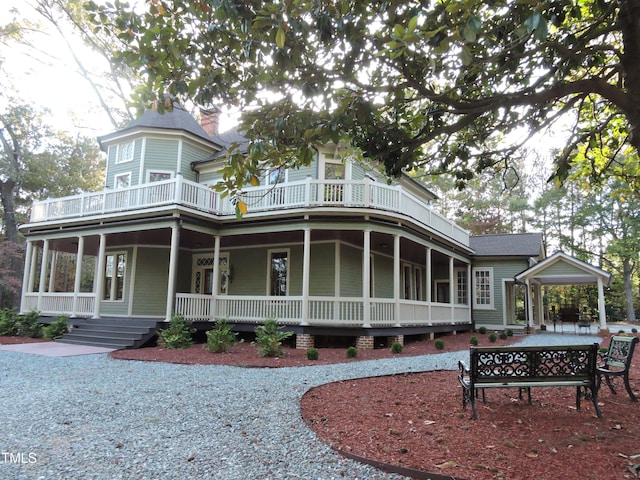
x=158, y=176
x=417, y=283
x=123, y=180
x=406, y=274
x=276, y=176
x=461, y=287
x=482, y=288
x=114, y=270
x=278, y=273
x=125, y=152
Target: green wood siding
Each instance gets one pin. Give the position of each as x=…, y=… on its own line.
x=152, y=275
x=561, y=269
x=133, y=167
x=502, y=270
x=350, y=271
x=191, y=153
x=249, y=271
x=160, y=154
x=322, y=271
x=383, y=276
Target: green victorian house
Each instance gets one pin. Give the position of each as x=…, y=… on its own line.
x=329, y=250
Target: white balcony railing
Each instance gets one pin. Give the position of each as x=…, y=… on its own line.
x=263, y=200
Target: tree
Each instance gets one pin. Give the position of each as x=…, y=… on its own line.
x=36, y=162
x=429, y=84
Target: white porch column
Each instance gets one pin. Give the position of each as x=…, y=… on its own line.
x=173, y=270
x=26, y=273
x=452, y=289
x=78, y=277
x=215, y=281
x=43, y=272
x=428, y=275
x=602, y=313
x=469, y=298
x=306, y=265
x=529, y=304
x=336, y=283
x=52, y=271
x=396, y=278
x=366, y=279
x=99, y=278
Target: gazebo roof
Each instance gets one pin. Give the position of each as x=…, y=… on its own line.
x=563, y=269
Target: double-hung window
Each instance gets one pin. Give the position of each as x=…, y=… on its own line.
x=278, y=273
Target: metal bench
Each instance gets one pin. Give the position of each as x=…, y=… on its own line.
x=526, y=367
x=617, y=362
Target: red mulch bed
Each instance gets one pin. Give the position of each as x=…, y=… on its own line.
x=416, y=420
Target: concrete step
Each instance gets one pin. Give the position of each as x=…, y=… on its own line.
x=110, y=332
x=105, y=344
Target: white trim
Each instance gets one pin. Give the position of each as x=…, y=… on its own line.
x=121, y=175
x=171, y=174
x=142, y=159
x=179, y=156
x=134, y=263
x=483, y=306
x=103, y=273
x=119, y=152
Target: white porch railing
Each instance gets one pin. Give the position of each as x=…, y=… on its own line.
x=260, y=201
x=325, y=311
x=58, y=303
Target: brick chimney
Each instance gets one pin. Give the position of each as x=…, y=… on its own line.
x=210, y=120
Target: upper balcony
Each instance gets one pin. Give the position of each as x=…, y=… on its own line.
x=261, y=201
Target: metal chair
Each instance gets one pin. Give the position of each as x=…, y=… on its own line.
x=617, y=362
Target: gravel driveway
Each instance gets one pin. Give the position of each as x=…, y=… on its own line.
x=92, y=417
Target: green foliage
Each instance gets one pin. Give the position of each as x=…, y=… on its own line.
x=8, y=322
x=269, y=338
x=498, y=66
x=439, y=344
x=56, y=329
x=177, y=335
x=352, y=352
x=482, y=330
x=503, y=335
x=396, y=347
x=509, y=332
x=473, y=340
x=313, y=354
x=634, y=330
x=29, y=325
x=493, y=337
x=221, y=338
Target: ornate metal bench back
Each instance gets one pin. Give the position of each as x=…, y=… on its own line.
x=489, y=364
x=620, y=351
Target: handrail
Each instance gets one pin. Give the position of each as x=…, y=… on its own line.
x=307, y=193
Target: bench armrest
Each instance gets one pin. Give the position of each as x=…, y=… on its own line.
x=464, y=370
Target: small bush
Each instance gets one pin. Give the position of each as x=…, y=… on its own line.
x=313, y=354
x=269, y=338
x=396, y=347
x=620, y=331
x=439, y=344
x=493, y=337
x=56, y=329
x=352, y=352
x=482, y=330
x=177, y=335
x=8, y=322
x=473, y=340
x=634, y=330
x=603, y=349
x=29, y=325
x=221, y=338
x=503, y=335
x=509, y=332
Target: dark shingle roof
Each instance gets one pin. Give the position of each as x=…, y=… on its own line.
x=175, y=119
x=507, y=245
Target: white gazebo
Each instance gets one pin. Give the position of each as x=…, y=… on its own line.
x=562, y=269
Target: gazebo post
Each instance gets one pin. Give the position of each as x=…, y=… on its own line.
x=602, y=314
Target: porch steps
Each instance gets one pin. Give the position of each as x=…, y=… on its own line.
x=115, y=333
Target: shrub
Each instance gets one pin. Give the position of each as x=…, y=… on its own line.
x=439, y=344
x=56, y=329
x=269, y=337
x=352, y=352
x=473, y=340
x=493, y=337
x=503, y=335
x=620, y=331
x=29, y=325
x=8, y=322
x=396, y=347
x=482, y=330
x=313, y=354
x=509, y=332
x=221, y=337
x=177, y=335
x=634, y=330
